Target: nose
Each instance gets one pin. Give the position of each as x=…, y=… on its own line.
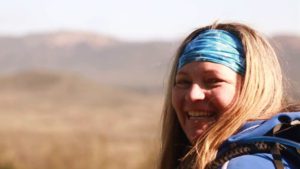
x=196, y=93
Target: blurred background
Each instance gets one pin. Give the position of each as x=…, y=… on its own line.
x=82, y=82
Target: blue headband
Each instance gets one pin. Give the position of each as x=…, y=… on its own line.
x=217, y=46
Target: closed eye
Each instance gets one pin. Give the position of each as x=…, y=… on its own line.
x=213, y=82
x=182, y=83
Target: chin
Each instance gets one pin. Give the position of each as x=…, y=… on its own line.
x=193, y=137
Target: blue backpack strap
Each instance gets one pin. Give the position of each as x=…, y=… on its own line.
x=265, y=127
x=279, y=136
x=282, y=142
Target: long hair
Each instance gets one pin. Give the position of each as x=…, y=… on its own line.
x=261, y=95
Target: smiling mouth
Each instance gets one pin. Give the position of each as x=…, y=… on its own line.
x=200, y=115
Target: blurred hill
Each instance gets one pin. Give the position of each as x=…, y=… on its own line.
x=102, y=58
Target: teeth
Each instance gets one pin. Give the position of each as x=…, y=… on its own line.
x=199, y=114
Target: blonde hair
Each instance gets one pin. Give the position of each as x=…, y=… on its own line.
x=261, y=95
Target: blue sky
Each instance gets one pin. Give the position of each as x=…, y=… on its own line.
x=145, y=19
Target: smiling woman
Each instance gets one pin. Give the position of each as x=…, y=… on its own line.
x=197, y=100
x=226, y=84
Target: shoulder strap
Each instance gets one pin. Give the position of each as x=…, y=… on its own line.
x=283, y=140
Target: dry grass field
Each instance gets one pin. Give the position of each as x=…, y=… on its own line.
x=51, y=121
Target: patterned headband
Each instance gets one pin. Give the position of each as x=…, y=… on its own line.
x=217, y=46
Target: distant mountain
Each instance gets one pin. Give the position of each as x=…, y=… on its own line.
x=110, y=61
x=61, y=39
x=105, y=59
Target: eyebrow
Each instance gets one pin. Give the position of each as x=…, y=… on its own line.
x=181, y=73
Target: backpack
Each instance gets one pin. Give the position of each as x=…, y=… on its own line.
x=278, y=138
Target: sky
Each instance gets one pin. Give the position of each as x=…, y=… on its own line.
x=137, y=20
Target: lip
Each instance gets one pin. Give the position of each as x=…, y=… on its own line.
x=200, y=115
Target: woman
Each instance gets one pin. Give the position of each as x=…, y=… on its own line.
x=223, y=76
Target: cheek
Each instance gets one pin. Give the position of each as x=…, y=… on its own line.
x=176, y=99
x=223, y=98
x=177, y=102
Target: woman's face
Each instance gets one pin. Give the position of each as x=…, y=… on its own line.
x=201, y=92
